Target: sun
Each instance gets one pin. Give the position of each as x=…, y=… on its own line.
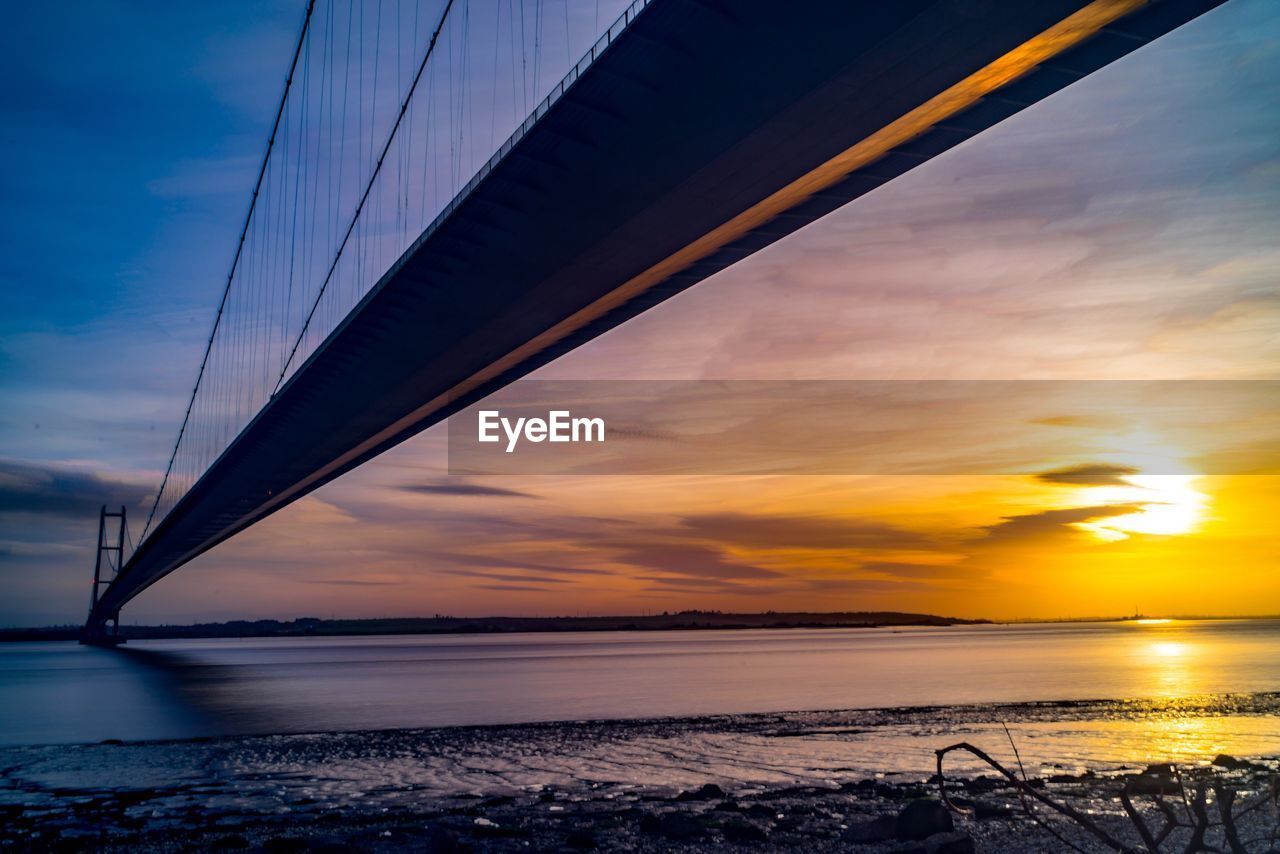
x=1170, y=505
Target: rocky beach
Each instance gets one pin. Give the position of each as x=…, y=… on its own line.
x=812, y=781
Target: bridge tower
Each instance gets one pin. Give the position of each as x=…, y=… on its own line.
x=107, y=633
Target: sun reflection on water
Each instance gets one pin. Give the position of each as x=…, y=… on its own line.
x=1171, y=664
x=1168, y=649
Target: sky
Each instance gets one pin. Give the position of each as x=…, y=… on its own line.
x=1122, y=229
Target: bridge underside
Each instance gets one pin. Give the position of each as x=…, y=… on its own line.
x=708, y=130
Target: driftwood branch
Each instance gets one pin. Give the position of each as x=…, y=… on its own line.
x=1188, y=812
x=1148, y=838
x=1065, y=809
x=1226, y=799
x=1026, y=806
x=1202, y=820
x=1171, y=822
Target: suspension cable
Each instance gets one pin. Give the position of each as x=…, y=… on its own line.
x=431, y=46
x=235, y=261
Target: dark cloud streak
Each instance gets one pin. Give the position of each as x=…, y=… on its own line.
x=1089, y=474
x=794, y=531
x=696, y=561
x=465, y=489
x=1054, y=522
x=51, y=491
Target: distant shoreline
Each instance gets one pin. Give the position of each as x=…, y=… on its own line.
x=667, y=621
x=445, y=625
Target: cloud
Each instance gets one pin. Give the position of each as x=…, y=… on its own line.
x=735, y=590
x=685, y=585
x=687, y=582
x=52, y=491
x=813, y=532
x=1049, y=522
x=465, y=489
x=865, y=585
x=1070, y=421
x=21, y=549
x=506, y=576
x=1089, y=474
x=487, y=562
x=349, y=582
x=521, y=588
x=933, y=571
x=692, y=560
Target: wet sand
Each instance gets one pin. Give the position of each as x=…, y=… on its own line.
x=813, y=781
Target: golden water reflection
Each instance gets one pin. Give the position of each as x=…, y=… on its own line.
x=1172, y=661
x=1172, y=666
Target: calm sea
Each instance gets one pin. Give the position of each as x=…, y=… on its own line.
x=62, y=692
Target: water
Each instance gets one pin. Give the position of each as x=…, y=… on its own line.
x=60, y=692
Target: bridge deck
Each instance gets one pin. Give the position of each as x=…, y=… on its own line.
x=706, y=131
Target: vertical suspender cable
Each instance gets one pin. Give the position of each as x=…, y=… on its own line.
x=235, y=261
x=365, y=197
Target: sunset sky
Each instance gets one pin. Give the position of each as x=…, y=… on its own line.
x=1123, y=229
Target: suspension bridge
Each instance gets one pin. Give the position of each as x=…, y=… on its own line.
x=455, y=192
